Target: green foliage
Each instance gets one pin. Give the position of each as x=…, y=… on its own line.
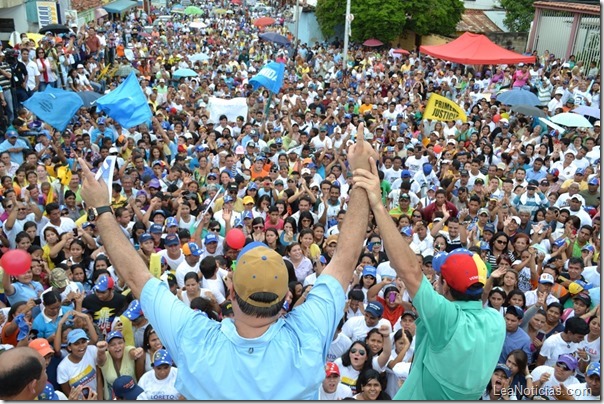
x=519, y=14
x=387, y=19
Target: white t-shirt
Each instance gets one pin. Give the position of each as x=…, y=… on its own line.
x=342, y=391
x=348, y=375
x=155, y=389
x=183, y=269
x=548, y=388
x=356, y=329
x=338, y=347
x=216, y=286
x=66, y=225
x=172, y=263
x=581, y=392
x=555, y=346
x=82, y=373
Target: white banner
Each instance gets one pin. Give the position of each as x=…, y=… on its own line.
x=231, y=108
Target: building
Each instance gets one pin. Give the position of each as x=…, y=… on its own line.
x=567, y=28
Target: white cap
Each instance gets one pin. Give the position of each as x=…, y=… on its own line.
x=516, y=219
x=547, y=278
x=113, y=150
x=597, y=123
x=560, y=91
x=80, y=66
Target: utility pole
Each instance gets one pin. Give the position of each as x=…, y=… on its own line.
x=348, y=19
x=297, y=26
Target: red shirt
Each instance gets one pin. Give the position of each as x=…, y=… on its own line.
x=392, y=315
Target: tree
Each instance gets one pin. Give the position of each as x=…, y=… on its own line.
x=387, y=19
x=381, y=19
x=519, y=14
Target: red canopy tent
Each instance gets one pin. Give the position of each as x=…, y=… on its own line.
x=475, y=49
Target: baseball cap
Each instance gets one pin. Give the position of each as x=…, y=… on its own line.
x=155, y=228
x=49, y=393
x=506, y=370
x=464, y=173
x=162, y=357
x=462, y=269
x=227, y=199
x=42, y=346
x=593, y=369
x=171, y=222
x=210, y=238
x=191, y=248
x=484, y=245
x=407, y=231
x=489, y=227
x=546, y=278
x=409, y=313
x=569, y=360
x=594, y=181
x=406, y=174
x=126, y=388
x=75, y=335
x=369, y=270
x=171, y=239
x=248, y=199
x=578, y=198
x=584, y=297
x=580, y=171
x=332, y=369
x=58, y=278
x=260, y=269
x=144, y=237
x=483, y=210
x=516, y=219
x=575, y=288
x=516, y=311
x=226, y=308
x=114, y=334
x=331, y=239
x=104, y=283
x=134, y=310
x=12, y=133
x=375, y=309
x=427, y=259
x=154, y=183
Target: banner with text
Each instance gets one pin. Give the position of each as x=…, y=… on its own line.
x=443, y=109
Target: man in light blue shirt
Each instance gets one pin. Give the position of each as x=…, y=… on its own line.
x=258, y=354
x=14, y=146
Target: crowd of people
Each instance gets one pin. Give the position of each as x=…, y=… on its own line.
x=503, y=185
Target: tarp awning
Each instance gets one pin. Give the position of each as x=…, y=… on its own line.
x=475, y=49
x=119, y=6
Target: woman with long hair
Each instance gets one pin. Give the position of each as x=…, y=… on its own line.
x=302, y=265
x=517, y=362
x=354, y=361
x=151, y=344
x=369, y=386
x=271, y=236
x=309, y=248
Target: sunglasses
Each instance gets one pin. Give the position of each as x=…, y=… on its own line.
x=360, y=351
x=501, y=241
x=258, y=227
x=562, y=366
x=215, y=229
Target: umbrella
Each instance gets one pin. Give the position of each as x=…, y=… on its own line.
x=589, y=111
x=264, y=21
x=89, y=98
x=219, y=11
x=518, y=97
x=197, y=24
x=192, y=10
x=55, y=29
x=198, y=57
x=400, y=51
x=571, y=120
x=373, y=42
x=125, y=70
x=184, y=73
x=100, y=13
x=529, y=110
x=274, y=37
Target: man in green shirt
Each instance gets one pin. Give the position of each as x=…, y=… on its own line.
x=458, y=340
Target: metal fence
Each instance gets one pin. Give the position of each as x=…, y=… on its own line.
x=587, y=42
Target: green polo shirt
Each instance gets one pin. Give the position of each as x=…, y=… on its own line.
x=458, y=345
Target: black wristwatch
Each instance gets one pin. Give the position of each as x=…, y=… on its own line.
x=94, y=213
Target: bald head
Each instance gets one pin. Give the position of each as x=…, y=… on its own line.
x=22, y=374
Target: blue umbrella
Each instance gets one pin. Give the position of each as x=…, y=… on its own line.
x=518, y=97
x=184, y=73
x=274, y=37
x=588, y=111
x=54, y=106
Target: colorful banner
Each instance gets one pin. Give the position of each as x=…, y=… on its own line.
x=440, y=108
x=269, y=77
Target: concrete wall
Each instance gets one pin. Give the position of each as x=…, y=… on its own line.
x=18, y=14
x=308, y=29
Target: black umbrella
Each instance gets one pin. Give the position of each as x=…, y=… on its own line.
x=89, y=97
x=55, y=29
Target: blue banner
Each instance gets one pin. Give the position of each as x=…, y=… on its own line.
x=54, y=106
x=270, y=77
x=126, y=104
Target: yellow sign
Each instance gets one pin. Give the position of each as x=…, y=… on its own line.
x=443, y=109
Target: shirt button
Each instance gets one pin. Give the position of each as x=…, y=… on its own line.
x=251, y=350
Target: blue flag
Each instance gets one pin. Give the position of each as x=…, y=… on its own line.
x=54, y=106
x=270, y=77
x=126, y=104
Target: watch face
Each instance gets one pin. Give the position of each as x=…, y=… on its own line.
x=91, y=215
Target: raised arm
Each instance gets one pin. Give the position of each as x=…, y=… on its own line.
x=350, y=241
x=402, y=258
x=121, y=253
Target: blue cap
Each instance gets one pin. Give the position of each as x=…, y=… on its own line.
x=125, y=387
x=593, y=369
x=157, y=163
x=427, y=168
x=158, y=212
x=227, y=199
x=438, y=259
x=238, y=222
x=48, y=394
x=12, y=133
x=560, y=242
x=279, y=140
x=594, y=181
x=347, y=116
x=201, y=148
x=489, y=227
x=144, y=237
x=407, y=231
x=101, y=121
x=580, y=171
x=162, y=357
x=247, y=214
x=252, y=186
x=75, y=335
x=191, y=248
x=368, y=270
x=87, y=224
x=505, y=369
x=375, y=309
x=406, y=174
x=103, y=283
x=171, y=239
x=114, y=334
x=210, y=238
x=134, y=310
x=212, y=174
x=311, y=165
x=322, y=259
x=155, y=228
x=484, y=245
x=171, y=222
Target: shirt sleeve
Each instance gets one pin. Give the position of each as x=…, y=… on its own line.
x=166, y=313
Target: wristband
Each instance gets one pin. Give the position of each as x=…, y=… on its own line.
x=528, y=377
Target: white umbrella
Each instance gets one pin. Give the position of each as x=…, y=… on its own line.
x=198, y=57
x=197, y=24
x=571, y=120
